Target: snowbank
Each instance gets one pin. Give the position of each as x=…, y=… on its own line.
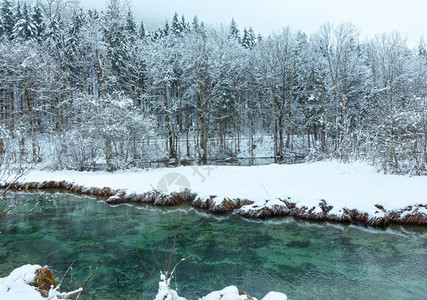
x=329, y=190
x=17, y=284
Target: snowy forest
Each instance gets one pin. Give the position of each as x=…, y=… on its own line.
x=86, y=89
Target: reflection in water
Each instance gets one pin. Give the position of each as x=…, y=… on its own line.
x=303, y=260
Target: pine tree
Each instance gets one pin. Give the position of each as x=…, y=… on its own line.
x=245, y=39
x=252, y=37
x=39, y=23
x=195, y=24
x=78, y=20
x=130, y=24
x=158, y=34
x=18, y=12
x=248, y=39
x=7, y=18
x=166, y=29
x=234, y=31
x=197, y=27
x=422, y=50
x=184, y=25
x=142, y=32
x=120, y=29
x=224, y=101
x=24, y=28
x=115, y=24
x=177, y=27
x=75, y=27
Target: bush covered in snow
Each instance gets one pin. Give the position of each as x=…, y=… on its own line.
x=107, y=129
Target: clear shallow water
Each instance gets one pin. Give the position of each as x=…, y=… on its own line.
x=303, y=260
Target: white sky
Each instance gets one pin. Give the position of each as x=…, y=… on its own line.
x=266, y=16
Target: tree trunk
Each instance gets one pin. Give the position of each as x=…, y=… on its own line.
x=172, y=153
x=203, y=122
x=34, y=145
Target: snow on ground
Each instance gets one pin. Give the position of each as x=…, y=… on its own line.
x=275, y=296
x=16, y=285
x=354, y=185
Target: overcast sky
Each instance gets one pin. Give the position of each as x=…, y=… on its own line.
x=266, y=16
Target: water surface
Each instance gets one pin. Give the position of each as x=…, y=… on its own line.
x=303, y=260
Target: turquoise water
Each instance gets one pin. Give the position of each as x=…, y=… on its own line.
x=302, y=260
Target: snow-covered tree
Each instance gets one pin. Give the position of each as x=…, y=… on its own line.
x=109, y=129
x=39, y=23
x=177, y=25
x=234, y=30
x=142, y=32
x=24, y=28
x=248, y=39
x=7, y=18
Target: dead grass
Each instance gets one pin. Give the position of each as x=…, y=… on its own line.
x=44, y=281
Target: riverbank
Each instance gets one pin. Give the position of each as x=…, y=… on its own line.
x=323, y=191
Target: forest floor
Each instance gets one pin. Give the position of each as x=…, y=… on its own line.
x=343, y=192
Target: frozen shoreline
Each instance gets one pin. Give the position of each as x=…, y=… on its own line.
x=352, y=192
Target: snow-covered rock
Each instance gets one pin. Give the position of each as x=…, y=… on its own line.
x=275, y=296
x=16, y=286
x=165, y=292
x=228, y=293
